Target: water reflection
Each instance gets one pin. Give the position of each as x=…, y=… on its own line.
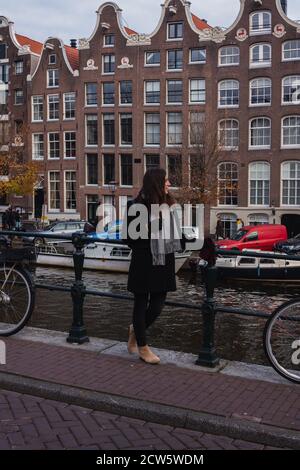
x=237, y=338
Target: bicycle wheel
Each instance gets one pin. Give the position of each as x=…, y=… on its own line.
x=282, y=340
x=16, y=299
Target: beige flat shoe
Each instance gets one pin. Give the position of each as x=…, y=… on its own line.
x=148, y=356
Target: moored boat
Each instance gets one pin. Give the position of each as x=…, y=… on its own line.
x=98, y=256
x=267, y=269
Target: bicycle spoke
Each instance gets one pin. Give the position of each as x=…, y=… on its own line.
x=15, y=300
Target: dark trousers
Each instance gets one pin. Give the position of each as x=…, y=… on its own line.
x=145, y=312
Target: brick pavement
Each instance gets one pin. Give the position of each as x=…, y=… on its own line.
x=267, y=403
x=28, y=422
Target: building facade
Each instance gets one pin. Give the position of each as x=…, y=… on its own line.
x=103, y=111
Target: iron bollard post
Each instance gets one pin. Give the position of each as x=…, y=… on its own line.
x=78, y=332
x=207, y=355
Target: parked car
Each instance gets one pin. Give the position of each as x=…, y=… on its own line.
x=113, y=231
x=57, y=228
x=259, y=237
x=290, y=246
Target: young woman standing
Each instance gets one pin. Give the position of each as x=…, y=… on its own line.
x=152, y=268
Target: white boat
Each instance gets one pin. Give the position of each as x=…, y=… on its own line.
x=97, y=256
x=268, y=269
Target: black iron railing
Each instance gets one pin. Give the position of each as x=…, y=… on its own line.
x=209, y=308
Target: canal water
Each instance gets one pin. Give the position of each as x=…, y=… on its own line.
x=237, y=337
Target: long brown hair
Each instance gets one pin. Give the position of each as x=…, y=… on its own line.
x=153, y=189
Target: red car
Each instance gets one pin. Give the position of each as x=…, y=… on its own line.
x=259, y=237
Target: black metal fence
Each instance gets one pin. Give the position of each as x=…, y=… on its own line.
x=208, y=308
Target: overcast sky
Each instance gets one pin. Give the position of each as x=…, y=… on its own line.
x=67, y=19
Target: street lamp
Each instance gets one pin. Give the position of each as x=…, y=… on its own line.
x=112, y=186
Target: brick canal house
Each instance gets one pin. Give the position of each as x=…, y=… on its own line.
x=102, y=112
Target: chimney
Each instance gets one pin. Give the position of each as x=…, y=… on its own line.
x=284, y=6
x=73, y=43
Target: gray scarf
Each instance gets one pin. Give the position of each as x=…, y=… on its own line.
x=163, y=240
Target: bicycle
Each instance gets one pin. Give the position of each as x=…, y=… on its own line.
x=17, y=292
x=281, y=340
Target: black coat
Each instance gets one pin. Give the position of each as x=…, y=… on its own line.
x=143, y=276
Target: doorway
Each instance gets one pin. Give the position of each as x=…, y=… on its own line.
x=292, y=223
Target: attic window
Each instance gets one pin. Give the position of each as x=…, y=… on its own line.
x=175, y=30
x=3, y=51
x=52, y=59
x=109, y=40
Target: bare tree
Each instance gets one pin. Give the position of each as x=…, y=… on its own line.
x=197, y=181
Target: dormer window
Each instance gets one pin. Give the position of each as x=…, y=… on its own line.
x=175, y=31
x=3, y=51
x=109, y=40
x=52, y=59
x=260, y=23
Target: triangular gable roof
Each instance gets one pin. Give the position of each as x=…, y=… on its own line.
x=130, y=31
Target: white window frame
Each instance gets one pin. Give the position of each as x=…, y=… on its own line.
x=52, y=210
x=104, y=145
x=33, y=146
x=290, y=103
x=171, y=103
x=256, y=105
x=167, y=130
x=65, y=145
x=120, y=131
x=70, y=211
x=103, y=63
x=120, y=170
x=250, y=166
x=16, y=91
x=289, y=146
x=191, y=62
x=201, y=90
x=64, y=106
x=233, y=64
x=167, y=61
x=198, y=122
x=17, y=71
x=262, y=30
x=223, y=106
x=120, y=96
x=85, y=95
x=96, y=185
x=218, y=184
x=145, y=92
x=48, y=147
x=32, y=108
x=48, y=108
x=290, y=59
x=287, y=162
x=109, y=45
x=145, y=130
x=49, y=61
x=227, y=147
x=167, y=167
x=106, y=105
x=261, y=63
x=85, y=126
x=260, y=147
x=145, y=59
x=168, y=30
x=50, y=71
